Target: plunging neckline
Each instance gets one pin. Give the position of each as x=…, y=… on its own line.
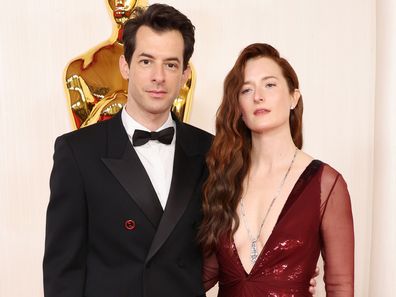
x=296, y=189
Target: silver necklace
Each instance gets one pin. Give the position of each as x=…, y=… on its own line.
x=253, y=239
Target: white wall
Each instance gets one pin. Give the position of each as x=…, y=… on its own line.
x=331, y=44
x=383, y=281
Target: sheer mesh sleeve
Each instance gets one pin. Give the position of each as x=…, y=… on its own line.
x=210, y=271
x=337, y=235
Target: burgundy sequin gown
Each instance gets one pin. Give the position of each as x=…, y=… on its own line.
x=316, y=218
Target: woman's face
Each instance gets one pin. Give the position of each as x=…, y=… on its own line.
x=264, y=99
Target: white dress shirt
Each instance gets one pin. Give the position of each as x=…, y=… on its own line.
x=156, y=157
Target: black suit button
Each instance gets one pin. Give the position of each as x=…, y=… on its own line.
x=130, y=225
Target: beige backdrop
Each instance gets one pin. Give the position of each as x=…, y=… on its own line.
x=332, y=45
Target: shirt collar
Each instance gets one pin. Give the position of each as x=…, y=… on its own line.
x=130, y=124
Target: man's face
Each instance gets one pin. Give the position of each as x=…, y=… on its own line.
x=155, y=73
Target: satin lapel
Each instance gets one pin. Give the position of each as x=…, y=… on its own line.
x=187, y=170
x=125, y=165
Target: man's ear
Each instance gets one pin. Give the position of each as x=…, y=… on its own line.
x=186, y=74
x=124, y=67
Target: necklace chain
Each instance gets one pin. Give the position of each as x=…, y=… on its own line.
x=254, y=239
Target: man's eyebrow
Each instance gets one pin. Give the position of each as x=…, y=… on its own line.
x=152, y=57
x=146, y=55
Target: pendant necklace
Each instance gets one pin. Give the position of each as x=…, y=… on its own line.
x=253, y=239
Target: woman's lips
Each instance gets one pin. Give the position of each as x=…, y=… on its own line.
x=261, y=111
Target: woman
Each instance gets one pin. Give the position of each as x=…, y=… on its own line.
x=270, y=208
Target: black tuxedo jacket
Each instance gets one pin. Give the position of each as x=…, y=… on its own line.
x=107, y=234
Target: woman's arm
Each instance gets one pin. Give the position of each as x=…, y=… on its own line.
x=210, y=271
x=338, y=239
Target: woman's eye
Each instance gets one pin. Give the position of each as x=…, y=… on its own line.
x=270, y=85
x=245, y=91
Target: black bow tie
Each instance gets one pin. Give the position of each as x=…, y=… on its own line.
x=141, y=137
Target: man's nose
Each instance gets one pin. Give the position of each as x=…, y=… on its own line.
x=158, y=74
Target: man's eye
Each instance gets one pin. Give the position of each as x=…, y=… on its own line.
x=145, y=61
x=172, y=65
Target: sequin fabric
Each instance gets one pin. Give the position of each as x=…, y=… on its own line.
x=304, y=228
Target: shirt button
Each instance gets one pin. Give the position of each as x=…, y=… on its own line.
x=130, y=225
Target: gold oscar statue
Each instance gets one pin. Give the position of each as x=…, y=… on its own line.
x=94, y=85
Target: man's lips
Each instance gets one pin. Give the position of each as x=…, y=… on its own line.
x=156, y=93
x=260, y=111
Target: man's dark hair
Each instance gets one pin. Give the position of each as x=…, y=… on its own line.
x=160, y=18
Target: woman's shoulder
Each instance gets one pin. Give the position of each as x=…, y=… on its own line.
x=327, y=172
x=329, y=179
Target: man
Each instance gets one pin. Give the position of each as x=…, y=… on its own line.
x=124, y=209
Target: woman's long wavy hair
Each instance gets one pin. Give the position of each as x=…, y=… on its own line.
x=228, y=159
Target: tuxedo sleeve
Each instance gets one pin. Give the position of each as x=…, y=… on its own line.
x=64, y=265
